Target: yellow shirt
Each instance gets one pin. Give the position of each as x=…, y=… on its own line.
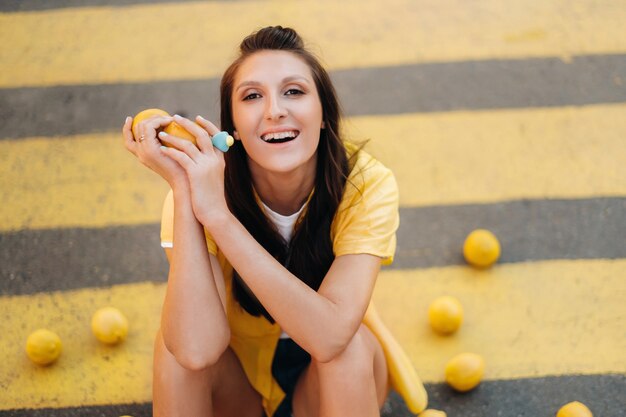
x=366, y=222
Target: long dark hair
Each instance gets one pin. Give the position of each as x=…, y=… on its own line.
x=310, y=253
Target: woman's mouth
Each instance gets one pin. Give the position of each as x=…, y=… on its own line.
x=280, y=137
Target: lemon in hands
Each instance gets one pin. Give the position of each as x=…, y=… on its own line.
x=143, y=115
x=481, y=248
x=465, y=371
x=173, y=128
x=43, y=346
x=445, y=315
x=574, y=409
x=177, y=130
x=109, y=325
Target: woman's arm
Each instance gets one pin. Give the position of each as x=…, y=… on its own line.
x=322, y=322
x=193, y=319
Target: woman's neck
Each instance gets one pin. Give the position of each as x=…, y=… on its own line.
x=284, y=193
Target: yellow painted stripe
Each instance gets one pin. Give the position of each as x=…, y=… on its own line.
x=526, y=320
x=446, y=158
x=194, y=40
x=499, y=155
x=88, y=181
x=87, y=372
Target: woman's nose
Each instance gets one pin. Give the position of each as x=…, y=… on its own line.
x=274, y=109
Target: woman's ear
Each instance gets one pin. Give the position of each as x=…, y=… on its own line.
x=236, y=135
x=323, y=125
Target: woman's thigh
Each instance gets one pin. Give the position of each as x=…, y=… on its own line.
x=221, y=390
x=306, y=401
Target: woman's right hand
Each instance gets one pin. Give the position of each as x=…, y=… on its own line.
x=147, y=148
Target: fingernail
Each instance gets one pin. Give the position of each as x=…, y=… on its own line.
x=128, y=119
x=177, y=117
x=201, y=118
x=163, y=148
x=162, y=134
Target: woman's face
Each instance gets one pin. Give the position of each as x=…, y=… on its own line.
x=277, y=112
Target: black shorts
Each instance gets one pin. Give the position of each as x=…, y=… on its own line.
x=290, y=360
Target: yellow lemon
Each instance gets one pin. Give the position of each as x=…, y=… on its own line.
x=481, y=248
x=445, y=315
x=109, y=325
x=43, y=346
x=465, y=371
x=143, y=115
x=177, y=130
x=173, y=128
x=574, y=409
x=432, y=413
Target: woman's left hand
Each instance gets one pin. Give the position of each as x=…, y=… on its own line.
x=204, y=166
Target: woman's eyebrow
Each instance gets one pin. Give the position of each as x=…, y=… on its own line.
x=289, y=79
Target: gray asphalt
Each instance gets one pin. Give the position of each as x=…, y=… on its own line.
x=537, y=397
x=474, y=85
x=529, y=230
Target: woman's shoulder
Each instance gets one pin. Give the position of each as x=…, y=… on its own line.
x=369, y=179
x=365, y=170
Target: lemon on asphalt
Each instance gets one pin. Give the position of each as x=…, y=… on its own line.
x=574, y=409
x=43, y=346
x=445, y=314
x=465, y=371
x=432, y=413
x=481, y=248
x=109, y=325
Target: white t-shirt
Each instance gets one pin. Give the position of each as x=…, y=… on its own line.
x=285, y=225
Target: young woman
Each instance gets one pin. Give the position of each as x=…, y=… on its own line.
x=274, y=247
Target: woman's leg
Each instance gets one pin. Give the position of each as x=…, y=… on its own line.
x=355, y=383
x=221, y=390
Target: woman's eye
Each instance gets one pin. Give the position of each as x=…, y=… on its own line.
x=293, y=91
x=252, y=96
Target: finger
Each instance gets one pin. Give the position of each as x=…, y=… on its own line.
x=181, y=157
x=220, y=155
x=127, y=134
x=157, y=122
x=182, y=145
x=205, y=143
x=147, y=129
x=190, y=126
x=203, y=139
x=207, y=125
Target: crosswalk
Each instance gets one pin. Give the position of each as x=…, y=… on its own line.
x=509, y=116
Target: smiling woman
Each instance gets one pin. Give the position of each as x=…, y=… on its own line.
x=274, y=247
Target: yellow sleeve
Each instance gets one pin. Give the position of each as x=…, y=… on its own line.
x=368, y=217
x=167, y=226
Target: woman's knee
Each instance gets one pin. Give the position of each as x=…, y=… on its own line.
x=167, y=366
x=357, y=358
x=222, y=387
x=357, y=372
x=192, y=361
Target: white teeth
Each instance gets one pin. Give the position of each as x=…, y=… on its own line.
x=280, y=135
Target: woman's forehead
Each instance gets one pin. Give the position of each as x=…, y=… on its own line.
x=265, y=67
